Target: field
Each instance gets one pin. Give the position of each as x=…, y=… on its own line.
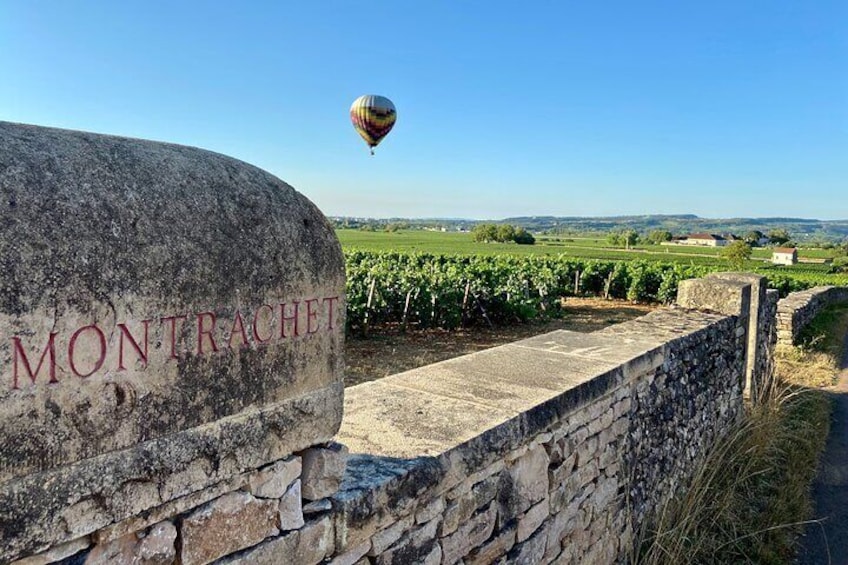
x=426, y=279
x=457, y=243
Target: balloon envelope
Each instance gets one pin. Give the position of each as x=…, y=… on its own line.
x=373, y=117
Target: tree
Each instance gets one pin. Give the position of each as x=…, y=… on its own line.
x=736, y=254
x=658, y=236
x=523, y=237
x=506, y=233
x=753, y=237
x=631, y=238
x=614, y=238
x=778, y=236
x=627, y=238
x=485, y=233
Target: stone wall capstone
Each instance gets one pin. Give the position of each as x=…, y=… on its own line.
x=171, y=320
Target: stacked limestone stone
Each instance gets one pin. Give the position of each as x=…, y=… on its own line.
x=285, y=502
x=796, y=311
x=569, y=477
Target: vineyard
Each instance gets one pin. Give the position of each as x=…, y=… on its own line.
x=450, y=291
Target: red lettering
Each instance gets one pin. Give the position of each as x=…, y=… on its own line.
x=292, y=318
x=256, y=337
x=201, y=331
x=238, y=323
x=19, y=352
x=125, y=334
x=173, y=324
x=331, y=299
x=311, y=315
x=72, y=348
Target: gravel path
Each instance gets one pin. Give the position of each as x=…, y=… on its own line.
x=828, y=542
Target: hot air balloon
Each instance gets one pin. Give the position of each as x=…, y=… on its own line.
x=373, y=117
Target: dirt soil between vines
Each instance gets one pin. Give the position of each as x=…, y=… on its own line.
x=386, y=351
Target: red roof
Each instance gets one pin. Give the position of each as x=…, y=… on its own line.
x=785, y=250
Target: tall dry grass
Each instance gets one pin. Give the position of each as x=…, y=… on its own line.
x=749, y=499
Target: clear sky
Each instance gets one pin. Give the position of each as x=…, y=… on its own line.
x=718, y=108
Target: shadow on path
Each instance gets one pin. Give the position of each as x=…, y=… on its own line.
x=828, y=542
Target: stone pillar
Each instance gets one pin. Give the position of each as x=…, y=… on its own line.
x=729, y=296
x=755, y=382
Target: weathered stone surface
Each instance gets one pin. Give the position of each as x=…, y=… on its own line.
x=352, y=555
x=274, y=480
x=170, y=508
x=291, y=508
x=531, y=551
x=226, y=525
x=498, y=546
x=153, y=547
x=58, y=553
x=384, y=539
x=323, y=469
x=317, y=506
x=416, y=546
x=526, y=482
x=465, y=506
x=470, y=535
x=316, y=540
x=432, y=509
x=274, y=551
x=224, y=244
x=58, y=504
x=730, y=297
x=150, y=290
x=376, y=492
x=531, y=520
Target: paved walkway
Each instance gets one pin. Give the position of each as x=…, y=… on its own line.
x=828, y=542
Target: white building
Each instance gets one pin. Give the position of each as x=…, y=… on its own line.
x=784, y=256
x=704, y=239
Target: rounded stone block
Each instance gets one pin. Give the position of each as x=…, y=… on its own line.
x=148, y=290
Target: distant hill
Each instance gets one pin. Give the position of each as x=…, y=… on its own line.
x=801, y=229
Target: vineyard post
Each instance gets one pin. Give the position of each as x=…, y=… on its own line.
x=576, y=283
x=483, y=310
x=607, y=285
x=433, y=310
x=368, y=305
x=465, y=302
x=406, y=309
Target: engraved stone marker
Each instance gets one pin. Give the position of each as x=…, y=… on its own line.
x=169, y=318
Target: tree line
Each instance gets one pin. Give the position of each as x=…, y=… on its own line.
x=502, y=233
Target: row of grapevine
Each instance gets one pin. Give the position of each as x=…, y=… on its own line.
x=448, y=291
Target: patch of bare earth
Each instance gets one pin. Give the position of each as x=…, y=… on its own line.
x=386, y=351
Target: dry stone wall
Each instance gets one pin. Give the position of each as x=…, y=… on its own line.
x=614, y=422
x=554, y=449
x=796, y=311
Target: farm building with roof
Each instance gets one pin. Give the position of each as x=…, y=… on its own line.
x=784, y=256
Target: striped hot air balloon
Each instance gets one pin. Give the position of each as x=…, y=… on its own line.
x=373, y=117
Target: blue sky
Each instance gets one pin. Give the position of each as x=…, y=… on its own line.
x=720, y=108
